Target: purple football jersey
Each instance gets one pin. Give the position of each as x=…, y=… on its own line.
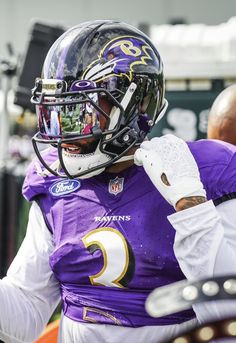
x=113, y=242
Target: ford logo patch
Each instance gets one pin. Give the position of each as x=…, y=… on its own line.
x=64, y=187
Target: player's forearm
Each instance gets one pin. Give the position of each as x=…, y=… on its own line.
x=188, y=202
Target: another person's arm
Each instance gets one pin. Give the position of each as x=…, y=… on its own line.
x=205, y=240
x=205, y=246
x=29, y=293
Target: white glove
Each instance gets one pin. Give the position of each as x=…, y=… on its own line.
x=168, y=159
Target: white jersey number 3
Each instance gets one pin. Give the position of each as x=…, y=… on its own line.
x=115, y=252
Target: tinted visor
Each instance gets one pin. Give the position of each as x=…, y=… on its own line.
x=69, y=116
x=72, y=114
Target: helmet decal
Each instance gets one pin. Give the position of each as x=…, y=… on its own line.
x=120, y=55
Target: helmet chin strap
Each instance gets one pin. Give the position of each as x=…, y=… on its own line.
x=80, y=163
x=71, y=164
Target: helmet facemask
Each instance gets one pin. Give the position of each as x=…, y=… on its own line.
x=68, y=118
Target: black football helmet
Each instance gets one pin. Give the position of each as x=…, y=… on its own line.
x=102, y=82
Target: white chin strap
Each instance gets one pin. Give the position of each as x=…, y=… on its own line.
x=76, y=164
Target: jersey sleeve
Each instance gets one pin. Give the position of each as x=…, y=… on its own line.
x=227, y=182
x=216, y=161
x=38, y=179
x=29, y=293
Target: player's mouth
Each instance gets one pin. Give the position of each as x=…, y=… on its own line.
x=81, y=147
x=72, y=149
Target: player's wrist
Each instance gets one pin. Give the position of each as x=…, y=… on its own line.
x=188, y=202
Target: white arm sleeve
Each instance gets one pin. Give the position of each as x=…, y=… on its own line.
x=29, y=293
x=205, y=246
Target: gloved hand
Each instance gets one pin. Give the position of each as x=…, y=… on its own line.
x=171, y=167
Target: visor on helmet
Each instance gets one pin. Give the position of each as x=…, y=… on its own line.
x=56, y=121
x=71, y=114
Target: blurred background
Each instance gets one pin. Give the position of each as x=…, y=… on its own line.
x=197, y=41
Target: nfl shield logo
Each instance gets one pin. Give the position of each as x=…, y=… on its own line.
x=116, y=185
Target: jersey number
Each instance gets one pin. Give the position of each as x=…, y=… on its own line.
x=117, y=256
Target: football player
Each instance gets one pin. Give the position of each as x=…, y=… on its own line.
x=114, y=215
x=222, y=116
